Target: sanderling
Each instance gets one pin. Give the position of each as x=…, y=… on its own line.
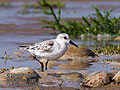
x=49, y=49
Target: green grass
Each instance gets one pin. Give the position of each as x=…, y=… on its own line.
x=95, y=24
x=108, y=50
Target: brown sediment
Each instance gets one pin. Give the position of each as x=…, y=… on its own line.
x=20, y=30
x=76, y=19
x=74, y=65
x=35, y=28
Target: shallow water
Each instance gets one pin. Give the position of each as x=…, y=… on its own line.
x=75, y=9
x=10, y=43
x=12, y=15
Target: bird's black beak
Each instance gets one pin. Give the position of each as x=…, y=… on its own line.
x=73, y=43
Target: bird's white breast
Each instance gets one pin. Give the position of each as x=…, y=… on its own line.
x=58, y=51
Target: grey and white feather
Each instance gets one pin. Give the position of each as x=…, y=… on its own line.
x=50, y=49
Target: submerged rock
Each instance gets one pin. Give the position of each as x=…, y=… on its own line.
x=97, y=79
x=23, y=73
x=58, y=78
x=18, y=77
x=90, y=76
x=75, y=64
x=79, y=52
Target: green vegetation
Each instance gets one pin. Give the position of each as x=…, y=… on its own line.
x=94, y=24
x=24, y=11
x=40, y=3
x=108, y=50
x=48, y=10
x=5, y=4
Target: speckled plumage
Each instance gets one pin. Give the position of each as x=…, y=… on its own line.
x=50, y=49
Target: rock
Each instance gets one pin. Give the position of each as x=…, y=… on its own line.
x=72, y=76
x=97, y=80
x=117, y=77
x=19, y=76
x=61, y=78
x=58, y=78
x=23, y=73
x=75, y=64
x=3, y=70
x=90, y=76
x=79, y=52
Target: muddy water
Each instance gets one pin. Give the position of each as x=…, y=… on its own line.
x=18, y=29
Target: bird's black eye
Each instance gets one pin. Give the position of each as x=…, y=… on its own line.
x=65, y=37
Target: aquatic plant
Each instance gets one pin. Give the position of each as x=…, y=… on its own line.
x=48, y=10
x=6, y=56
x=40, y=3
x=108, y=50
x=95, y=24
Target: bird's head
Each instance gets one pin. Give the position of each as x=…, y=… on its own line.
x=64, y=38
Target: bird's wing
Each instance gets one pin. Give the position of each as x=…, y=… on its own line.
x=45, y=46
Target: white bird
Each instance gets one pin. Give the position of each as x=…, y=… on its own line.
x=49, y=49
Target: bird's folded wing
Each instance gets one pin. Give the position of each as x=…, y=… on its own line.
x=45, y=46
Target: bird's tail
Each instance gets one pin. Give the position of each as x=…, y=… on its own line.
x=23, y=47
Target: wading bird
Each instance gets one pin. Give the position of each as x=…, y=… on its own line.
x=49, y=49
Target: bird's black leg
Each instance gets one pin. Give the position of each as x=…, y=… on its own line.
x=42, y=65
x=46, y=65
